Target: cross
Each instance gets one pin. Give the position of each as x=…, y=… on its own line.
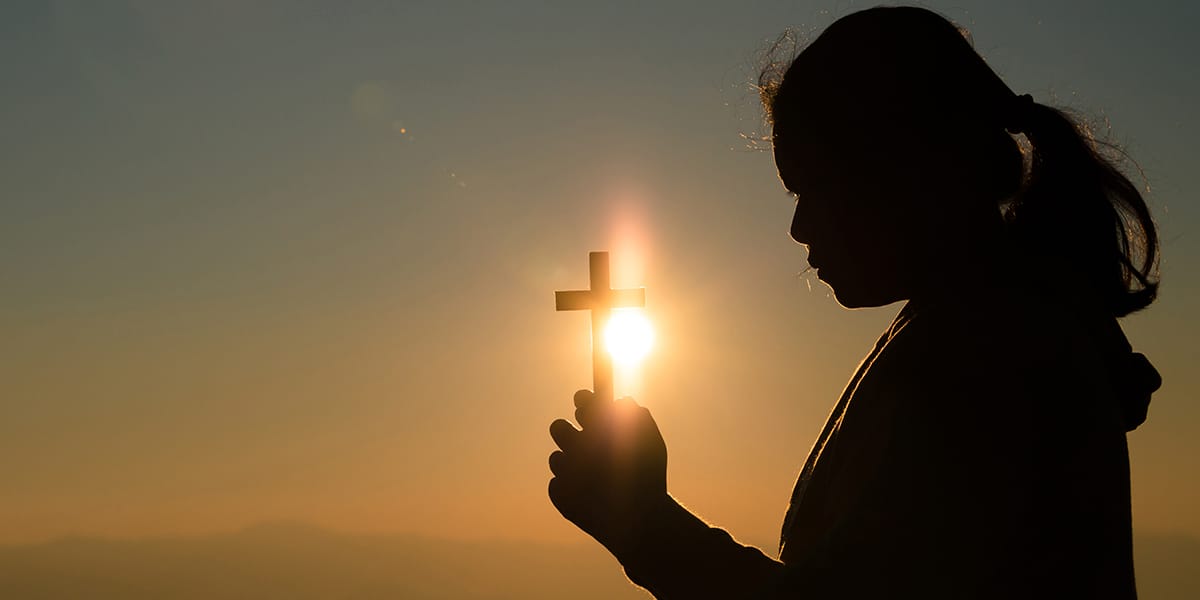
x=600, y=299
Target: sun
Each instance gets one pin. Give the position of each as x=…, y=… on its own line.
x=628, y=336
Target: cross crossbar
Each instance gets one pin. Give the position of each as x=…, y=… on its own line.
x=591, y=299
x=599, y=299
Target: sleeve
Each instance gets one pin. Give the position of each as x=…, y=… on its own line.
x=680, y=557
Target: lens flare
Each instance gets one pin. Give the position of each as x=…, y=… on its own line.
x=628, y=336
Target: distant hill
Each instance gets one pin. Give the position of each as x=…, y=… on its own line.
x=295, y=561
x=1167, y=567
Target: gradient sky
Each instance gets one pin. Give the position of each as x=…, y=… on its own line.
x=295, y=260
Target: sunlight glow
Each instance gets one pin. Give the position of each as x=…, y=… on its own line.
x=628, y=336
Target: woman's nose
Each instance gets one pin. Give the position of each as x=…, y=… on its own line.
x=804, y=221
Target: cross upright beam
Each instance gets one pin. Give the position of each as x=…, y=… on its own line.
x=600, y=299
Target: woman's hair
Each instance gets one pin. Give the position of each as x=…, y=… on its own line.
x=882, y=82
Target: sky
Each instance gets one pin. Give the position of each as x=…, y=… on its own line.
x=295, y=261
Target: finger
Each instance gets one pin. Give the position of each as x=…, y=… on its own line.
x=626, y=403
x=558, y=463
x=568, y=500
x=560, y=496
x=588, y=408
x=627, y=408
x=564, y=434
x=584, y=398
x=590, y=416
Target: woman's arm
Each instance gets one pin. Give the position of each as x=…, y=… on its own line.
x=677, y=555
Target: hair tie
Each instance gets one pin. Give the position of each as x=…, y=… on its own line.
x=1017, y=117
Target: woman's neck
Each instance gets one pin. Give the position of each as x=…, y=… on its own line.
x=964, y=268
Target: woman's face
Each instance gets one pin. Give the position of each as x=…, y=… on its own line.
x=859, y=220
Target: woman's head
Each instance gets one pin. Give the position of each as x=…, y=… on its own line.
x=894, y=135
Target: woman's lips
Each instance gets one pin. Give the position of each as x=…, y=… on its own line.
x=815, y=259
x=815, y=267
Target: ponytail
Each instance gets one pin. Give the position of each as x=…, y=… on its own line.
x=1078, y=214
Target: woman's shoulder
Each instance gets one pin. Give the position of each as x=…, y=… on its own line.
x=1005, y=324
x=1027, y=318
x=1030, y=349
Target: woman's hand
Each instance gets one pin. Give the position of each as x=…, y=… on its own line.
x=611, y=475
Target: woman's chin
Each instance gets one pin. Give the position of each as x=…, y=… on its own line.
x=851, y=296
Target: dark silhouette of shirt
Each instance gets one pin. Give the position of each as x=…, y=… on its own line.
x=978, y=452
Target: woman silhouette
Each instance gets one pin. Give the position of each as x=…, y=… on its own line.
x=979, y=451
